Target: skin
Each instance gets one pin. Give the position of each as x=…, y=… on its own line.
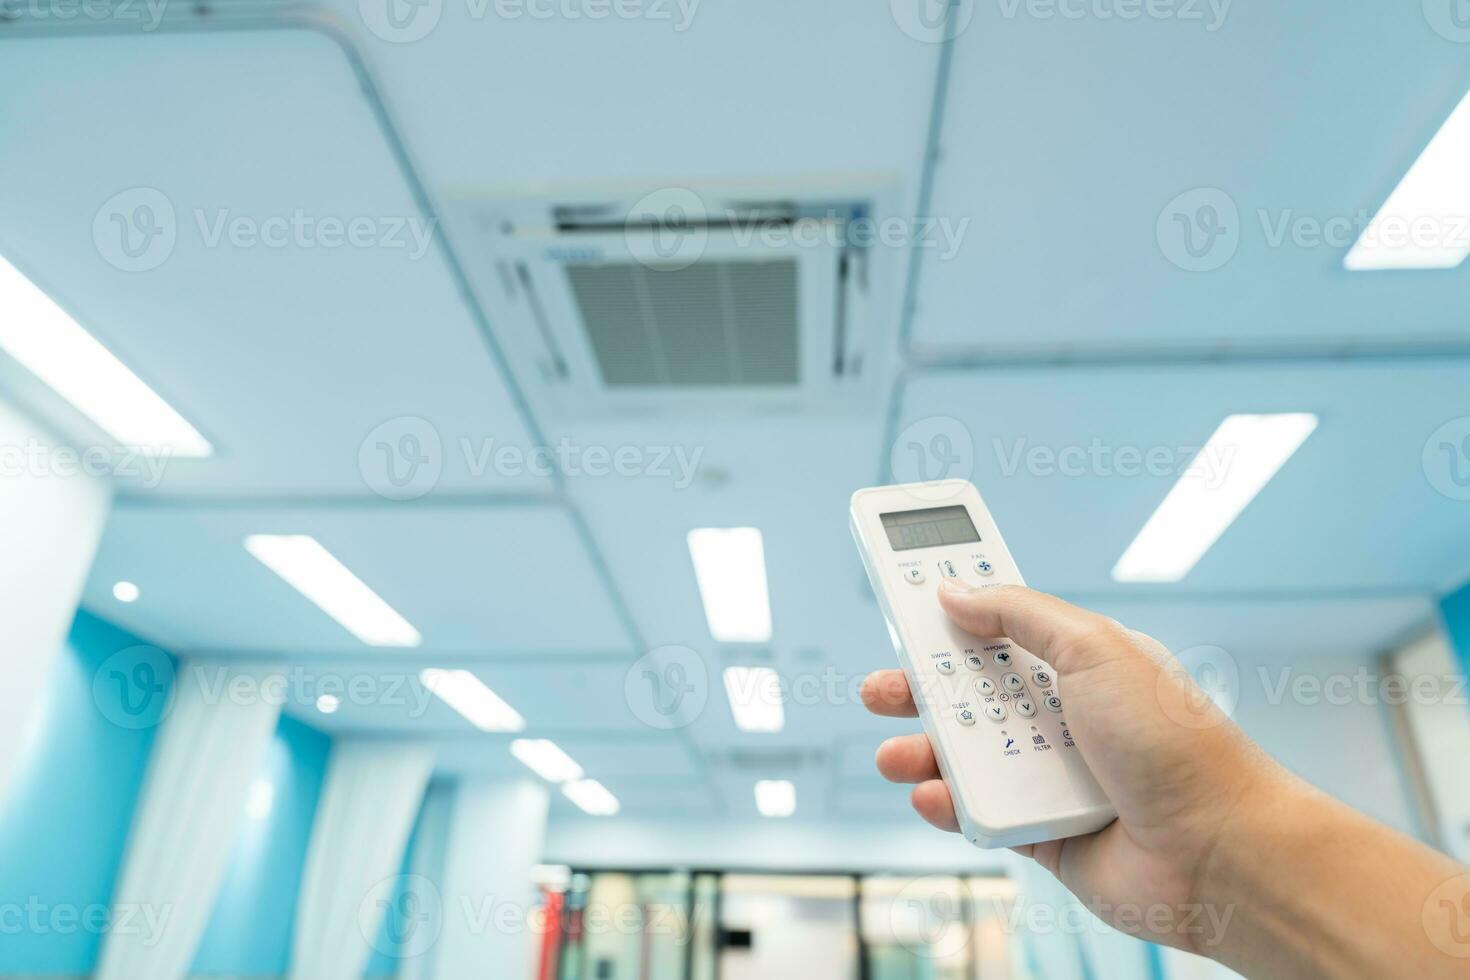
x=1207, y=822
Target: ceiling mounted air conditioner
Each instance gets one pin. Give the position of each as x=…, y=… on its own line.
x=753, y=298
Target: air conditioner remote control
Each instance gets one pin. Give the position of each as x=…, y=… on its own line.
x=992, y=710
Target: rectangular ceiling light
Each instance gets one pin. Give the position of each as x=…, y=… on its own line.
x=546, y=759
x=1247, y=450
x=52, y=346
x=730, y=566
x=775, y=798
x=317, y=574
x=592, y=797
x=755, y=698
x=1423, y=224
x=467, y=694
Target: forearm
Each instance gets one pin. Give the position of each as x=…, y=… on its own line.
x=1316, y=889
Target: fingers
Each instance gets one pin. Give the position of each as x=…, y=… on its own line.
x=931, y=800
x=886, y=692
x=907, y=759
x=1058, y=632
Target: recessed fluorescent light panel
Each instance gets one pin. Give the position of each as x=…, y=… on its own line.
x=317, y=574
x=755, y=698
x=730, y=566
x=1423, y=224
x=1241, y=458
x=546, y=759
x=125, y=592
x=592, y=797
x=775, y=798
x=53, y=347
x=328, y=704
x=467, y=694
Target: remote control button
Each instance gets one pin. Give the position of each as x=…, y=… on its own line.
x=986, y=687
x=996, y=712
x=914, y=576
x=974, y=661
x=1003, y=658
x=945, y=665
x=965, y=716
x=1025, y=708
x=983, y=567
x=948, y=570
x=1053, y=703
x=1042, y=677
x=1013, y=683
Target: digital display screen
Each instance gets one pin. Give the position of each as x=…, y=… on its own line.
x=909, y=529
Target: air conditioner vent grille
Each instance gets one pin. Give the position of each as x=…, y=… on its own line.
x=715, y=323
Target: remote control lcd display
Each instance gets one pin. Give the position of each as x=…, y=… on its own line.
x=908, y=529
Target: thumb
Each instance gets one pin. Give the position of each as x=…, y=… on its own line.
x=1064, y=635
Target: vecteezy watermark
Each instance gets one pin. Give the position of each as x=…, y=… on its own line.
x=932, y=21
x=36, y=458
x=929, y=450
x=1360, y=686
x=1446, y=459
x=137, y=230
x=406, y=21
x=1200, y=687
x=1450, y=19
x=401, y=916
x=667, y=688
x=144, y=15
x=137, y=687
x=403, y=459
x=36, y=917
x=1098, y=458
x=1202, y=229
x=668, y=230
x=1446, y=917
x=1207, y=14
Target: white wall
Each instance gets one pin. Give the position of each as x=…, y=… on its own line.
x=1439, y=724
x=50, y=523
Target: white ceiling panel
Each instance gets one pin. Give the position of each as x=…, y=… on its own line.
x=1067, y=136
x=279, y=283
x=473, y=579
x=1062, y=458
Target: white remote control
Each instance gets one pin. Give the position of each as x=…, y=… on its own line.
x=992, y=710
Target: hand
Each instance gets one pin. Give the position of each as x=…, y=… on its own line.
x=1175, y=768
x=1296, y=884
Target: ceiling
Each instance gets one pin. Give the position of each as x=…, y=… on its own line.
x=1059, y=322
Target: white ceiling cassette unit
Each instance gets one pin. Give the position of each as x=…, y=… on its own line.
x=756, y=298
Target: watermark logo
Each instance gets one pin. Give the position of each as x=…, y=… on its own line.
x=934, y=448
x=401, y=21
x=1199, y=231
x=134, y=688
x=1446, y=459
x=1200, y=688
x=667, y=229
x=1211, y=14
x=135, y=230
x=1446, y=917
x=1450, y=19
x=402, y=916
x=667, y=688
x=147, y=13
x=401, y=459
x=930, y=917
x=931, y=21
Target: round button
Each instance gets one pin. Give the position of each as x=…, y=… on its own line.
x=1042, y=677
x=1025, y=708
x=983, y=567
x=974, y=661
x=986, y=687
x=945, y=665
x=1003, y=658
x=965, y=716
x=914, y=576
x=1013, y=683
x=996, y=712
x=1053, y=703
